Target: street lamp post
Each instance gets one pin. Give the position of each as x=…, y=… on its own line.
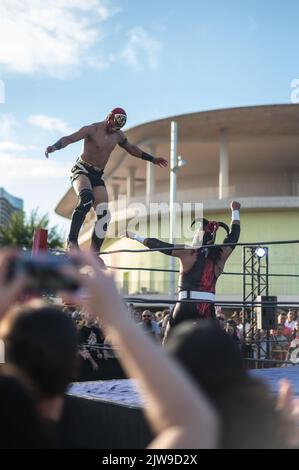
x=175, y=164
x=172, y=197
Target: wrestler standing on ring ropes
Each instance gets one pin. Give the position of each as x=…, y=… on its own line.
x=100, y=139
x=200, y=267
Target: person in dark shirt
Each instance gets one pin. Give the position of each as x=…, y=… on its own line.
x=90, y=335
x=20, y=424
x=41, y=345
x=150, y=326
x=231, y=330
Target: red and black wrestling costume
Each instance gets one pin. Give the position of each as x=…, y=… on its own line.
x=199, y=282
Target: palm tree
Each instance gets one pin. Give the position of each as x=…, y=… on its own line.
x=20, y=229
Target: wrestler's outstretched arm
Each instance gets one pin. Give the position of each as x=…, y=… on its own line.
x=155, y=243
x=233, y=236
x=137, y=152
x=82, y=133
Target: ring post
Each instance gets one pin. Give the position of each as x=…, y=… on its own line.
x=40, y=241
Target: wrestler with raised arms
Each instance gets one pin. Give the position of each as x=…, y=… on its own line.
x=200, y=267
x=100, y=139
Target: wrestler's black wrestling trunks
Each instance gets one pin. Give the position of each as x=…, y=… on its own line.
x=94, y=174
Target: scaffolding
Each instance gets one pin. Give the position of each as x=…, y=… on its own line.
x=255, y=284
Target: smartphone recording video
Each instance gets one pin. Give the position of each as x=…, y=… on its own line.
x=43, y=272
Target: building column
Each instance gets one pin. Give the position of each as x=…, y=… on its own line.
x=115, y=191
x=223, y=165
x=150, y=175
x=131, y=182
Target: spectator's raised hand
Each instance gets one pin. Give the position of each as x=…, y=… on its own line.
x=84, y=353
x=94, y=366
x=10, y=291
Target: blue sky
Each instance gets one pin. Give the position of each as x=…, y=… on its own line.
x=67, y=63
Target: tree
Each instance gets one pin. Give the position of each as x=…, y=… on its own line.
x=20, y=229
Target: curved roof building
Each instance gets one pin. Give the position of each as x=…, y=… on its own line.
x=250, y=154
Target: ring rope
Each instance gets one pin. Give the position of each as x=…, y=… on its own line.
x=188, y=248
x=222, y=303
x=123, y=268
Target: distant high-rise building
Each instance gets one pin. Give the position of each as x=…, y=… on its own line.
x=8, y=205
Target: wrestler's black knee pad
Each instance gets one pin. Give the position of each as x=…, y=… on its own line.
x=86, y=200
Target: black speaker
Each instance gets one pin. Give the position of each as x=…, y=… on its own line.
x=266, y=312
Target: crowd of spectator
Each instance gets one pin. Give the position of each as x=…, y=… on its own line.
x=281, y=345
x=198, y=392
x=41, y=346
x=94, y=347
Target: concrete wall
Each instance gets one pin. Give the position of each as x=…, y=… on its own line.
x=241, y=185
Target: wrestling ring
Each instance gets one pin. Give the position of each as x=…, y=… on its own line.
x=116, y=401
x=260, y=306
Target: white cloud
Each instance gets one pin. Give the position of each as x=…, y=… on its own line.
x=16, y=167
x=50, y=37
x=58, y=37
x=49, y=123
x=8, y=124
x=10, y=146
x=98, y=63
x=141, y=50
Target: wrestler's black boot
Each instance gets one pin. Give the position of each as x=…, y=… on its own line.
x=76, y=224
x=72, y=245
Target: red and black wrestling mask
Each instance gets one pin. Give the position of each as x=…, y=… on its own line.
x=207, y=234
x=116, y=120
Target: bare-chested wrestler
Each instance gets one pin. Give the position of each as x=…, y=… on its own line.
x=100, y=139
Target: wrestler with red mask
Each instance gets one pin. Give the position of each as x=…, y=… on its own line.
x=99, y=140
x=200, y=267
